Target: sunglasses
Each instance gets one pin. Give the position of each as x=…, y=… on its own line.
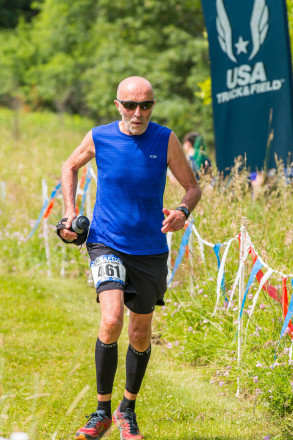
x=132, y=105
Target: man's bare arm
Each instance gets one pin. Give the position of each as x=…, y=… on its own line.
x=81, y=156
x=180, y=168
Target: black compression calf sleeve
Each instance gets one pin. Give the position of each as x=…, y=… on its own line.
x=136, y=364
x=106, y=364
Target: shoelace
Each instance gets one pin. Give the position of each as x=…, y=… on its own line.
x=130, y=416
x=94, y=418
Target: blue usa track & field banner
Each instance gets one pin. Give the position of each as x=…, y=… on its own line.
x=251, y=81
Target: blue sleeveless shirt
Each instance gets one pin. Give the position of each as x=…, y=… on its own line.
x=131, y=182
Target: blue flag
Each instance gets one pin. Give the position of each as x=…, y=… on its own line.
x=288, y=316
x=251, y=81
x=256, y=268
x=216, y=248
x=183, y=244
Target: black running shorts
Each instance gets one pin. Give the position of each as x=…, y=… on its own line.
x=146, y=278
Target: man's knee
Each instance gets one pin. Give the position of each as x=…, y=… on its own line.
x=113, y=323
x=110, y=329
x=140, y=336
x=140, y=331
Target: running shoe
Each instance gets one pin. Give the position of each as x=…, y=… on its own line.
x=96, y=427
x=127, y=424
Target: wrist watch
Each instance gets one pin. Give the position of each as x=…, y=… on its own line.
x=185, y=210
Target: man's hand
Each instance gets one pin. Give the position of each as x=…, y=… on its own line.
x=174, y=221
x=65, y=233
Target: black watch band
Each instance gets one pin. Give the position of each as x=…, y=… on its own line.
x=185, y=210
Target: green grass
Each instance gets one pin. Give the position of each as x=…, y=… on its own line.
x=48, y=334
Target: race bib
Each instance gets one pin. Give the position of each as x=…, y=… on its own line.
x=108, y=268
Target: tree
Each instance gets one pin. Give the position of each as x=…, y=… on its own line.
x=78, y=51
x=12, y=11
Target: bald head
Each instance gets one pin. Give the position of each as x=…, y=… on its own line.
x=135, y=85
x=136, y=90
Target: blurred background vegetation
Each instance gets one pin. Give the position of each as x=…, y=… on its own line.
x=69, y=56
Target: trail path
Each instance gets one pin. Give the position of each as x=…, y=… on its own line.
x=176, y=403
x=47, y=339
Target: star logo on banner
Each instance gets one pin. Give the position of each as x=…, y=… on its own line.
x=241, y=46
x=259, y=26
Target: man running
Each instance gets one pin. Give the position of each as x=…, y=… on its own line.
x=127, y=239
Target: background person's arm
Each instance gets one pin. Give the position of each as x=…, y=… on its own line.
x=180, y=168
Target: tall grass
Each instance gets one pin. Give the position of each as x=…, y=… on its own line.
x=43, y=144
x=187, y=322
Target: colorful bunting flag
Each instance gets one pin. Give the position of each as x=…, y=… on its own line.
x=288, y=311
x=256, y=267
x=184, y=243
x=46, y=203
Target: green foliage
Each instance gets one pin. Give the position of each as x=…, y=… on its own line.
x=276, y=386
x=205, y=91
x=11, y=11
x=74, y=55
x=15, y=60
